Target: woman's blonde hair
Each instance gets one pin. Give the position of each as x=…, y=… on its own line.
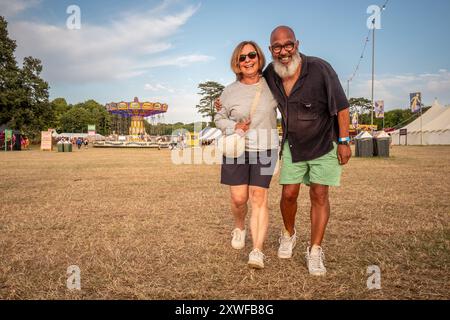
x=237, y=52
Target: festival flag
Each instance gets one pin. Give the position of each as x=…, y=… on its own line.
x=379, y=109
x=355, y=120
x=415, y=101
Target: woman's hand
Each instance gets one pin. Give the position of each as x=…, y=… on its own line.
x=243, y=125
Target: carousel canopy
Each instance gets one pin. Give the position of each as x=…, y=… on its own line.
x=136, y=108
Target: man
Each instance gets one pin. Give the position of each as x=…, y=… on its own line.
x=315, y=115
x=315, y=140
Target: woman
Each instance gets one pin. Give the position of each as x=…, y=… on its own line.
x=249, y=176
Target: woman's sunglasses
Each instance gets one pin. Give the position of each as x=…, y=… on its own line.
x=251, y=55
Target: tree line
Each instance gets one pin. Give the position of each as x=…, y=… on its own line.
x=392, y=119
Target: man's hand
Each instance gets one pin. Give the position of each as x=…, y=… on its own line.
x=243, y=125
x=344, y=154
x=218, y=104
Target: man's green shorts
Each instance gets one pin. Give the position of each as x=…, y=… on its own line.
x=324, y=170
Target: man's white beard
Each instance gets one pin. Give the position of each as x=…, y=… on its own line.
x=289, y=70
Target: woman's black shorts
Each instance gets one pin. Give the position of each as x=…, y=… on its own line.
x=252, y=168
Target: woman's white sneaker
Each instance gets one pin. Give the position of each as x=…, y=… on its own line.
x=256, y=259
x=238, y=240
x=287, y=244
x=315, y=259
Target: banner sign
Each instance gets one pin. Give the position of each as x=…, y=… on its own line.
x=415, y=101
x=8, y=134
x=91, y=129
x=46, y=141
x=379, y=109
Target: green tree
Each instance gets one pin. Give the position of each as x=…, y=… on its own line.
x=400, y=117
x=10, y=85
x=209, y=91
x=24, y=94
x=36, y=93
x=392, y=119
x=360, y=105
x=98, y=115
x=75, y=120
x=59, y=107
x=78, y=117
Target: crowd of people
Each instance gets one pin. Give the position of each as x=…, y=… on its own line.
x=75, y=141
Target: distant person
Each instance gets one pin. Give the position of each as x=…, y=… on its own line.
x=79, y=142
x=86, y=143
x=181, y=142
x=249, y=177
x=25, y=142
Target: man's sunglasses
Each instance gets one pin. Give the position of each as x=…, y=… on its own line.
x=276, y=48
x=251, y=55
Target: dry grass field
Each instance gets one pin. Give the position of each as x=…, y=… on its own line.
x=140, y=227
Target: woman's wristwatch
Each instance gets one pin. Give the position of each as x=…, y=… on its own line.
x=344, y=140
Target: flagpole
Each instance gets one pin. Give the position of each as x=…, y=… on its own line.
x=373, y=66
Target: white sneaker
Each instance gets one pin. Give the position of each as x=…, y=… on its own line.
x=238, y=241
x=256, y=259
x=315, y=261
x=287, y=244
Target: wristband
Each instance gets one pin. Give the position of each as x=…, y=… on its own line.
x=344, y=139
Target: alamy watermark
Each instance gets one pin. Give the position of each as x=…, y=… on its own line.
x=374, y=20
x=74, y=279
x=190, y=149
x=374, y=279
x=73, y=22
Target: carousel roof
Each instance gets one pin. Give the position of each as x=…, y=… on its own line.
x=144, y=109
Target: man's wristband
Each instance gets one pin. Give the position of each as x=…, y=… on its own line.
x=344, y=141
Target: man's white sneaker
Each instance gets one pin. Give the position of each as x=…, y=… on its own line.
x=287, y=244
x=238, y=240
x=315, y=259
x=256, y=259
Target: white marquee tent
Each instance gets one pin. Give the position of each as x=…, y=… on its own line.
x=210, y=134
x=435, y=128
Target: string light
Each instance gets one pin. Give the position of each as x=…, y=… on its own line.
x=361, y=57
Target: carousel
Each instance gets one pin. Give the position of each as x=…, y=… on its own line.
x=136, y=111
x=128, y=124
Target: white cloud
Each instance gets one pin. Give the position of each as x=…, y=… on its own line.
x=182, y=61
x=10, y=8
x=187, y=60
x=395, y=89
x=124, y=48
x=158, y=87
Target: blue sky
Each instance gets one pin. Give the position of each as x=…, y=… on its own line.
x=161, y=50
